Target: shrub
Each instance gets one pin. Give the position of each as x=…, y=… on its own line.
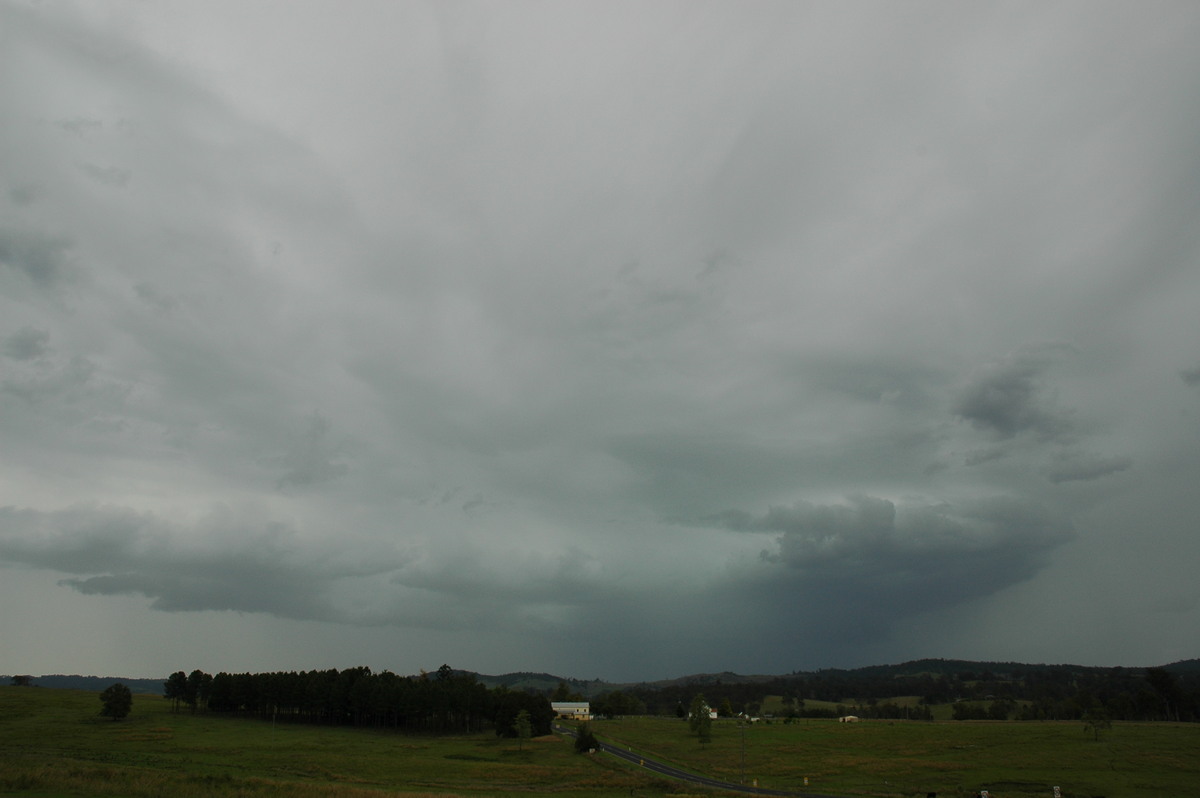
x=585, y=740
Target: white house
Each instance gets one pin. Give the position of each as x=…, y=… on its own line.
x=575, y=710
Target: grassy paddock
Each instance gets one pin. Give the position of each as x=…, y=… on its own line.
x=54, y=743
x=898, y=758
x=773, y=705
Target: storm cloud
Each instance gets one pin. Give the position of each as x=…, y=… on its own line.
x=1009, y=397
x=605, y=339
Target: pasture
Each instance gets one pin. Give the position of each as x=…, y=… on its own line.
x=951, y=758
x=53, y=743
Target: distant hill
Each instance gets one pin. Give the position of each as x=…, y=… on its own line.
x=94, y=683
x=923, y=667
x=1184, y=666
x=542, y=682
x=699, y=679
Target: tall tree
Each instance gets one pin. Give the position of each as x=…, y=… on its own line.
x=117, y=700
x=199, y=685
x=1096, y=721
x=1164, y=684
x=523, y=727
x=700, y=718
x=175, y=689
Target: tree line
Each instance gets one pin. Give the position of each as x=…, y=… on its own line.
x=1010, y=691
x=444, y=702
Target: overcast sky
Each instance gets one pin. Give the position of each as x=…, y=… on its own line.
x=612, y=339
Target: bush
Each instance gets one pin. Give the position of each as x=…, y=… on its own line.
x=585, y=740
x=117, y=701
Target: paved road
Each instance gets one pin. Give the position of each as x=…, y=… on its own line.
x=675, y=773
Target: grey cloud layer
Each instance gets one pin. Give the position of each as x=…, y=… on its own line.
x=758, y=326
x=218, y=564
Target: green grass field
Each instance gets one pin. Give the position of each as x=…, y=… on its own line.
x=898, y=758
x=773, y=705
x=54, y=743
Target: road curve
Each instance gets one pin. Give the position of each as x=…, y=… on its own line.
x=675, y=773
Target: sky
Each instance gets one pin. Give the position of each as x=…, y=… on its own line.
x=612, y=339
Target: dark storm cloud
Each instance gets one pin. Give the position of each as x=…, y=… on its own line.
x=1012, y=396
x=23, y=195
x=909, y=383
x=869, y=539
x=311, y=458
x=150, y=294
x=839, y=578
x=239, y=561
x=71, y=384
x=114, y=176
x=1082, y=467
x=868, y=563
x=223, y=562
x=80, y=126
x=40, y=258
x=216, y=585
x=27, y=343
x=472, y=345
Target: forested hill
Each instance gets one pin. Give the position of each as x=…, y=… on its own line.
x=914, y=668
x=933, y=680
x=542, y=682
x=93, y=683
x=993, y=690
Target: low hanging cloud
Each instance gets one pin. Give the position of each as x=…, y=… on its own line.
x=241, y=561
x=902, y=559
x=223, y=562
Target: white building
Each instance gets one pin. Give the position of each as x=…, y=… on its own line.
x=575, y=710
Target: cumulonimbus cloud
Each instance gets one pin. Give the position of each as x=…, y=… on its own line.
x=908, y=558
